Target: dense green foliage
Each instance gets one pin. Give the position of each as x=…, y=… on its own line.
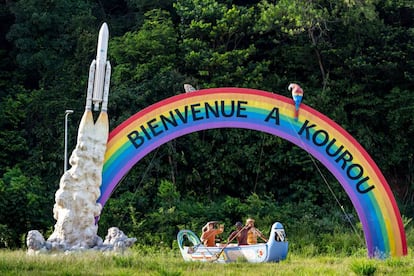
x=354, y=59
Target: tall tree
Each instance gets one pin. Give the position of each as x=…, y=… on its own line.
x=215, y=41
x=45, y=35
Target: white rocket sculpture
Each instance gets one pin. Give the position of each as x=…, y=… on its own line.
x=76, y=206
x=99, y=74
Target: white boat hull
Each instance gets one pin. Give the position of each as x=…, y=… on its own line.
x=274, y=250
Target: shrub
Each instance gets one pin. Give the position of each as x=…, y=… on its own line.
x=363, y=267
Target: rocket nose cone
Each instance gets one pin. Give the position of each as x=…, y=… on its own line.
x=103, y=32
x=102, y=42
x=104, y=28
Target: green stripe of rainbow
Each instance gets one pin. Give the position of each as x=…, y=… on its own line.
x=377, y=209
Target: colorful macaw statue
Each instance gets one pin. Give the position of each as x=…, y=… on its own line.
x=188, y=88
x=297, y=95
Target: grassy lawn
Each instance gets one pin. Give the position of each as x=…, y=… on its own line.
x=153, y=262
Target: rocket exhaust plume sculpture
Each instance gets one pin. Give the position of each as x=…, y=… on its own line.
x=99, y=74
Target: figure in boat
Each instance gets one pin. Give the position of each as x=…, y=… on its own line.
x=240, y=234
x=253, y=232
x=208, y=237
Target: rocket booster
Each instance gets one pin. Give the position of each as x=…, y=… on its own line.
x=99, y=73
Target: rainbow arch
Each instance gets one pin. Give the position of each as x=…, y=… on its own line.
x=274, y=114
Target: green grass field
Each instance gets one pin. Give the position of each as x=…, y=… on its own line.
x=156, y=262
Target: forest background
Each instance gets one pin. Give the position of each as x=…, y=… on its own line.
x=354, y=60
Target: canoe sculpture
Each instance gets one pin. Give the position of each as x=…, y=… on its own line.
x=274, y=250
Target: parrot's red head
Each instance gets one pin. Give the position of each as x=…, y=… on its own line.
x=295, y=88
